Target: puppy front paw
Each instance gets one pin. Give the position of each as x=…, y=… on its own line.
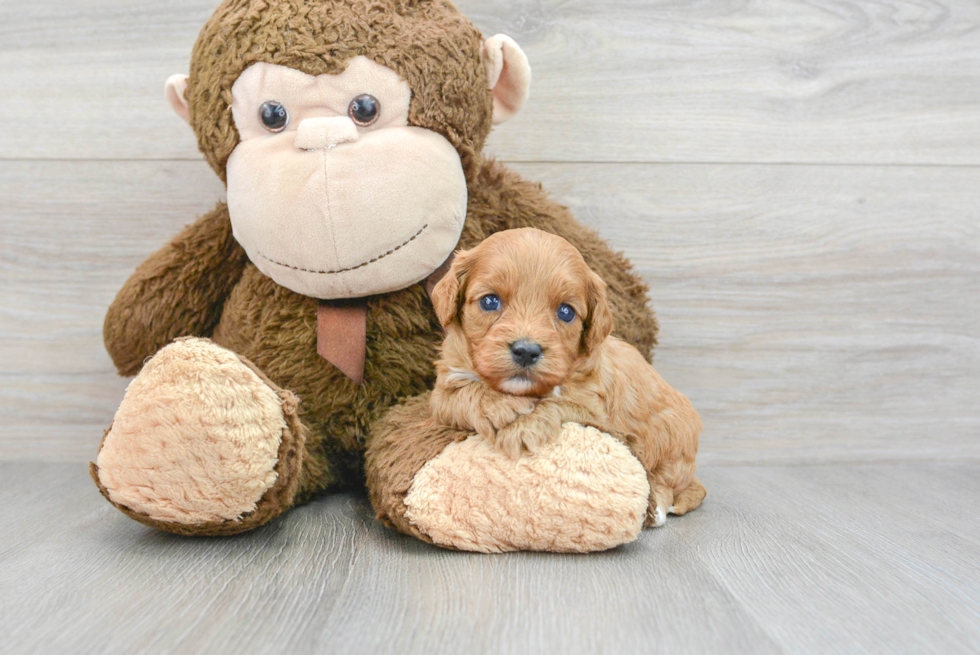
x=529, y=433
x=505, y=410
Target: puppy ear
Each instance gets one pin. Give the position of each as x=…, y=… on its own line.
x=449, y=293
x=599, y=322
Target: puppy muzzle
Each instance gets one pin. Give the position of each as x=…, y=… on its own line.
x=526, y=353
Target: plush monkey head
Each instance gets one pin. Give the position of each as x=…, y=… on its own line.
x=346, y=131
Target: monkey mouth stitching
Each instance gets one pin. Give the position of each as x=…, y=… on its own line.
x=349, y=268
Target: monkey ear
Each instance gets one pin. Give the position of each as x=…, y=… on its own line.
x=508, y=74
x=176, y=86
x=599, y=322
x=451, y=289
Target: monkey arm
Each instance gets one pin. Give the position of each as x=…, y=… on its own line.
x=178, y=291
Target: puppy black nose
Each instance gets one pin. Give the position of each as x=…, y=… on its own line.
x=525, y=352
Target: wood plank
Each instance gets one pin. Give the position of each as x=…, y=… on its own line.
x=819, y=81
x=826, y=569
x=70, y=233
x=811, y=313
x=316, y=579
x=778, y=559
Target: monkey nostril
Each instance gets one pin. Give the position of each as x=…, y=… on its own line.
x=525, y=352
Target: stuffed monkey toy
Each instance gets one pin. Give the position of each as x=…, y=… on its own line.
x=271, y=337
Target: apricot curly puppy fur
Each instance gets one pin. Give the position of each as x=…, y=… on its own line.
x=528, y=348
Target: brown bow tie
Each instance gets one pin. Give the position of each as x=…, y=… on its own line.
x=341, y=329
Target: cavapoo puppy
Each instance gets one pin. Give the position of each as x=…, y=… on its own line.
x=528, y=347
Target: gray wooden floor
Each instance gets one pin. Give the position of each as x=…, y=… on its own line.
x=799, y=181
x=813, y=559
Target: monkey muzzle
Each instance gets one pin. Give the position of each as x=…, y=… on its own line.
x=329, y=211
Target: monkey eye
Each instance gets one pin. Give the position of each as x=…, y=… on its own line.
x=274, y=116
x=489, y=303
x=364, y=110
x=566, y=313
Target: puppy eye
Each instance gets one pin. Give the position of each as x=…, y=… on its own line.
x=566, y=313
x=489, y=303
x=364, y=109
x=274, y=116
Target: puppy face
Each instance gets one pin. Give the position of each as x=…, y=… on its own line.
x=527, y=308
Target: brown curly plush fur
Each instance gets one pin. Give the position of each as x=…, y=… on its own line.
x=392, y=461
x=434, y=47
x=202, y=284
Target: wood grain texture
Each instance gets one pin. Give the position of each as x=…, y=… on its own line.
x=777, y=560
x=811, y=313
x=828, y=81
x=814, y=311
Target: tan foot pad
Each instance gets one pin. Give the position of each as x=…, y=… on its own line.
x=196, y=439
x=585, y=491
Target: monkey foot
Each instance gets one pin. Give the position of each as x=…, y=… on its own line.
x=584, y=491
x=203, y=443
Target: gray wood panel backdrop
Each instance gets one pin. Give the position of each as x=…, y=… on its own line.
x=799, y=182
